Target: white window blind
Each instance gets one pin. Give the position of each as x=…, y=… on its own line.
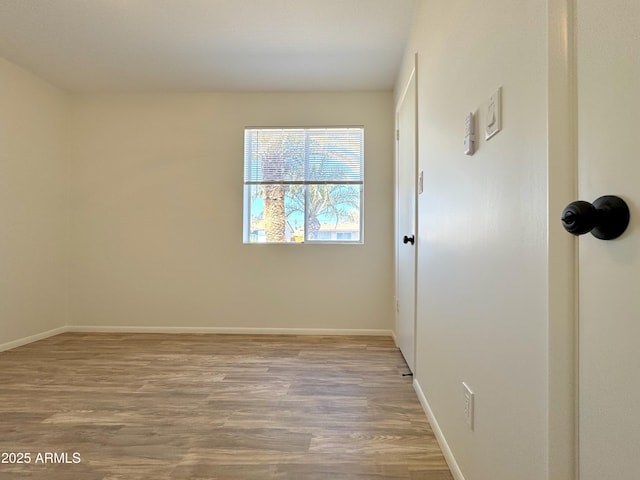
x=295, y=156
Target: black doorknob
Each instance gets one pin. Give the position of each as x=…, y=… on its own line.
x=607, y=218
x=408, y=239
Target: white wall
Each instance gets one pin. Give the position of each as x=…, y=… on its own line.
x=157, y=217
x=33, y=205
x=153, y=187
x=482, y=241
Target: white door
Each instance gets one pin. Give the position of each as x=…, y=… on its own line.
x=406, y=224
x=608, y=80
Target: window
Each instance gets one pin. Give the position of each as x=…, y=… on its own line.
x=303, y=185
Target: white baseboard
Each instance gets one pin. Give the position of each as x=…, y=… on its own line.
x=229, y=330
x=209, y=330
x=444, y=446
x=33, y=338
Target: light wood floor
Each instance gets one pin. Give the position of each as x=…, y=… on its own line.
x=153, y=406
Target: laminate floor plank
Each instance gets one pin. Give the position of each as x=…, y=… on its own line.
x=237, y=407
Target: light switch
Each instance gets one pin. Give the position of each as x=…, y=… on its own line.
x=469, y=134
x=494, y=114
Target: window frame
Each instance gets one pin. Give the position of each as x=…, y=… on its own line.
x=247, y=196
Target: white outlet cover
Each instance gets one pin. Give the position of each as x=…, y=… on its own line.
x=494, y=114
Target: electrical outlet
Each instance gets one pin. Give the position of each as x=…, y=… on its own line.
x=468, y=405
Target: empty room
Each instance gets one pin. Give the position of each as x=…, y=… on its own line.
x=319, y=239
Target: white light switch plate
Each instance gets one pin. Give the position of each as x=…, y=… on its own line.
x=469, y=134
x=494, y=114
x=468, y=405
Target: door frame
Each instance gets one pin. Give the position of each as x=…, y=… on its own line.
x=562, y=262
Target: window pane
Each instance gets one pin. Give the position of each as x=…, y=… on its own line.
x=276, y=213
x=335, y=154
x=333, y=212
x=274, y=155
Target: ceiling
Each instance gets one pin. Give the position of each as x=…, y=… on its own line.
x=196, y=45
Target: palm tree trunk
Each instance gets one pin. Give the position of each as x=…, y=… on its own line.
x=274, y=215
